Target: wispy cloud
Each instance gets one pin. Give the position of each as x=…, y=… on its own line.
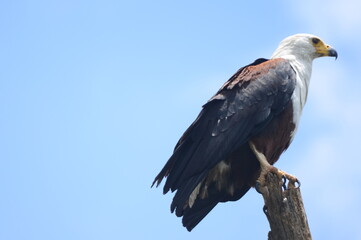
x=334, y=17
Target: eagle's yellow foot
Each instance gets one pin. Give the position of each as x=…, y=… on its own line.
x=266, y=168
x=291, y=179
x=261, y=181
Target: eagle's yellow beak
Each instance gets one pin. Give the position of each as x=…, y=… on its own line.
x=324, y=50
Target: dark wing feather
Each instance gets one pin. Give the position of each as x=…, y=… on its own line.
x=199, y=128
x=244, y=105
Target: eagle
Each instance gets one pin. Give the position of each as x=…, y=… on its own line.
x=242, y=130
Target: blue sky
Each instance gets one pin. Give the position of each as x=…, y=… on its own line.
x=95, y=94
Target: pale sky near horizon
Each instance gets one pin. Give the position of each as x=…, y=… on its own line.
x=95, y=94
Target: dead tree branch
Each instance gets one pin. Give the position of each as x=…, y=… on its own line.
x=284, y=210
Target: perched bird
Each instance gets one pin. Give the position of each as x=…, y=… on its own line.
x=242, y=130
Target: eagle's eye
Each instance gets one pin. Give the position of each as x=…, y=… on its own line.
x=315, y=40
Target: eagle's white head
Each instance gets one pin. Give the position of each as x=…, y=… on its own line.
x=303, y=47
x=300, y=50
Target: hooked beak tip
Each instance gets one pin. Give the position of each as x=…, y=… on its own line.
x=332, y=53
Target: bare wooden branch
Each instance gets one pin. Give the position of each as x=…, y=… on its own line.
x=284, y=210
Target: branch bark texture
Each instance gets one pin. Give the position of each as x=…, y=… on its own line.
x=284, y=210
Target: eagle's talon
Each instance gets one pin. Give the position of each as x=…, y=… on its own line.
x=265, y=210
x=284, y=182
x=258, y=187
x=298, y=184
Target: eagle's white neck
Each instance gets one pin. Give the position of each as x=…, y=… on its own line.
x=302, y=64
x=303, y=68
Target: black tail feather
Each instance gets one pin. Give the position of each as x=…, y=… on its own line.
x=192, y=216
x=182, y=195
